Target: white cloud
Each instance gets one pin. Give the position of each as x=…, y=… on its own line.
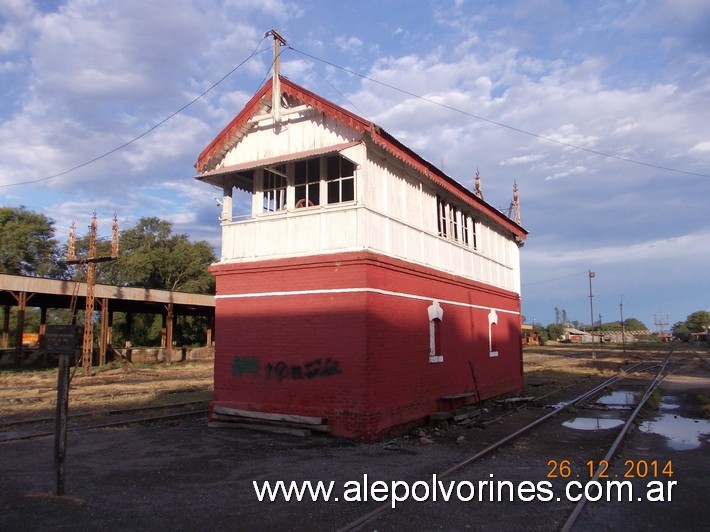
x=701, y=147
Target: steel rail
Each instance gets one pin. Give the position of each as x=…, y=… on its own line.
x=39, y=420
x=572, y=519
x=109, y=424
x=492, y=447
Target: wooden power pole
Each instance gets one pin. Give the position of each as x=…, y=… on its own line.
x=91, y=260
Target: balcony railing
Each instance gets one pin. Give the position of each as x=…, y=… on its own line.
x=319, y=230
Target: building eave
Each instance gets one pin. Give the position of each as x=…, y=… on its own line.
x=211, y=156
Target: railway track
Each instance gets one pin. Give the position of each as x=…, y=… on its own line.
x=31, y=428
x=662, y=367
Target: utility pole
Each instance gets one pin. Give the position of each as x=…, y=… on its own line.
x=591, y=311
x=658, y=322
x=621, y=314
x=276, y=81
x=91, y=261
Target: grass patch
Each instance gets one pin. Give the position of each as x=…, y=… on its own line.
x=700, y=405
x=654, y=400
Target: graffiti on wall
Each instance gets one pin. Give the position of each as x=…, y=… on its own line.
x=309, y=370
x=245, y=366
x=279, y=371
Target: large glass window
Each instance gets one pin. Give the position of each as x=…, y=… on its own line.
x=340, y=175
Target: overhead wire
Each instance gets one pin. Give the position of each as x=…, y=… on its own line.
x=329, y=83
x=303, y=55
x=146, y=132
x=556, y=279
x=500, y=124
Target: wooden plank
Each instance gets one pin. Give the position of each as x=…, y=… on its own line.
x=457, y=396
x=262, y=428
x=441, y=416
x=291, y=418
x=235, y=419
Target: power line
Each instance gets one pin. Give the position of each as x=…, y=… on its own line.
x=556, y=278
x=500, y=124
x=154, y=127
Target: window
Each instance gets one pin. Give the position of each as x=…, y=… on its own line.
x=340, y=175
x=441, y=208
x=307, y=183
x=492, y=344
x=275, y=189
x=454, y=224
x=435, y=314
x=468, y=231
x=454, y=221
x=474, y=240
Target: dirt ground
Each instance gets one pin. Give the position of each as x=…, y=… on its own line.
x=181, y=475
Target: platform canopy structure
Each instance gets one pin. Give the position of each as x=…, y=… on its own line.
x=34, y=292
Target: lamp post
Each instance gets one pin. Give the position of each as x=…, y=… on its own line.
x=591, y=312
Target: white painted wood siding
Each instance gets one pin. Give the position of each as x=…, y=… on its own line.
x=350, y=228
x=298, y=133
x=394, y=212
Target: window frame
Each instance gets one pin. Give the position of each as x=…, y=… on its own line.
x=277, y=193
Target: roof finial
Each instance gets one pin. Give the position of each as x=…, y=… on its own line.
x=477, y=186
x=516, y=203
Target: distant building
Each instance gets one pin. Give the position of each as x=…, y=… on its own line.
x=576, y=336
x=363, y=284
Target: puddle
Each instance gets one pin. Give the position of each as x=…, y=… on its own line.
x=592, y=423
x=669, y=403
x=681, y=433
x=618, y=400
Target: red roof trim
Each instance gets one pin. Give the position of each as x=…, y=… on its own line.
x=233, y=128
x=380, y=137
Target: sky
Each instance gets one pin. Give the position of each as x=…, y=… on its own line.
x=600, y=111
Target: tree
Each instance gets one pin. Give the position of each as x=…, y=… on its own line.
x=151, y=256
x=680, y=330
x=632, y=324
x=27, y=246
x=698, y=321
x=555, y=331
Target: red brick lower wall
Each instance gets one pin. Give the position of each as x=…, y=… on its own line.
x=346, y=337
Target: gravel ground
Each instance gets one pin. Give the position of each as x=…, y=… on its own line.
x=185, y=476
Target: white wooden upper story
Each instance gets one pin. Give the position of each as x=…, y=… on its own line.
x=322, y=180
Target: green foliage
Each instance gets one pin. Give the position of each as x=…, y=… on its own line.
x=555, y=331
x=27, y=246
x=698, y=321
x=542, y=333
x=151, y=256
x=680, y=330
x=632, y=324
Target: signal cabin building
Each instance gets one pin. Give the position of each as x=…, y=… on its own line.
x=365, y=286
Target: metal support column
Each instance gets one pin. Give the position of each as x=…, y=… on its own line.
x=103, y=335
x=6, y=326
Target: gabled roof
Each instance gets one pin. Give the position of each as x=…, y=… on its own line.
x=261, y=102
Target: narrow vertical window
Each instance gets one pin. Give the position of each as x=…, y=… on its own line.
x=275, y=189
x=492, y=328
x=435, y=314
x=454, y=220
x=307, y=183
x=474, y=242
x=441, y=213
x=465, y=229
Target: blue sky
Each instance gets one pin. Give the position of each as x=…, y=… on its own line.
x=79, y=78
